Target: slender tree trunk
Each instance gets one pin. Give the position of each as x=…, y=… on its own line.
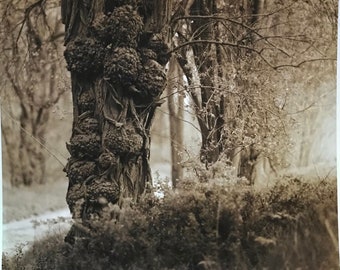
x=216, y=108
x=30, y=72
x=26, y=154
x=210, y=113
x=12, y=154
x=32, y=156
x=176, y=114
x=115, y=51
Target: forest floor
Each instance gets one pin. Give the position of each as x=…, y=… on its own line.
x=31, y=212
x=231, y=225
x=27, y=210
x=24, y=202
x=27, y=202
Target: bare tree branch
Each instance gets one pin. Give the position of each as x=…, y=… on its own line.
x=27, y=13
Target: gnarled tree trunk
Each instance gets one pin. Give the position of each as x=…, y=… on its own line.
x=115, y=51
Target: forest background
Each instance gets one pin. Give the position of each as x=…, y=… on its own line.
x=278, y=83
x=289, y=120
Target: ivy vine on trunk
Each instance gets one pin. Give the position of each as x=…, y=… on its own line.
x=116, y=53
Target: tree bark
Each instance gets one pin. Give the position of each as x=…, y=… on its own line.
x=116, y=53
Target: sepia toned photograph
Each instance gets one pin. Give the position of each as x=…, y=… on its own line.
x=169, y=134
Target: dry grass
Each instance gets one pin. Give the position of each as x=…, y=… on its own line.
x=292, y=225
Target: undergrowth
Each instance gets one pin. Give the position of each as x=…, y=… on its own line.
x=292, y=225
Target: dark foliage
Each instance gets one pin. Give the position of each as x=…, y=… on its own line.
x=110, y=5
x=123, y=140
x=84, y=56
x=85, y=146
x=79, y=171
x=121, y=28
x=122, y=66
x=293, y=225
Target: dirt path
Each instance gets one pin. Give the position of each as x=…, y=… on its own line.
x=24, y=232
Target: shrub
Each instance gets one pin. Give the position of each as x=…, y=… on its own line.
x=208, y=226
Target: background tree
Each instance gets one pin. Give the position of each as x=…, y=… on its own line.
x=175, y=95
x=298, y=86
x=31, y=76
x=228, y=50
